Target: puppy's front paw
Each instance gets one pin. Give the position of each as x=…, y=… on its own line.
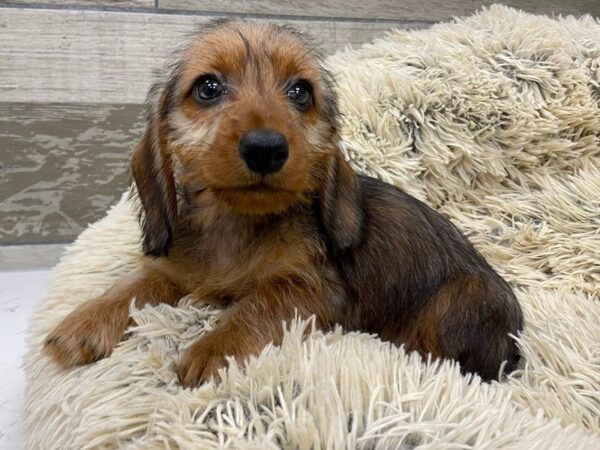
x=202, y=361
x=87, y=334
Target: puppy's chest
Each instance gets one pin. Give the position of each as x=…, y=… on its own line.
x=228, y=256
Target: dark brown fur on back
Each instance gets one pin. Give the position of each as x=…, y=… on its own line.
x=247, y=202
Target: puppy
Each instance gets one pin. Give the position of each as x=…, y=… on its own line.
x=248, y=203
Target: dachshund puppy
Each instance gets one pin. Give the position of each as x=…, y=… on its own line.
x=248, y=203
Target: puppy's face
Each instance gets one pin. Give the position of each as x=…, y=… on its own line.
x=250, y=116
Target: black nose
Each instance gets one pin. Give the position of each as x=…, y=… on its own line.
x=264, y=151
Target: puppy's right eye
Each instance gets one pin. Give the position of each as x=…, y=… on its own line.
x=208, y=89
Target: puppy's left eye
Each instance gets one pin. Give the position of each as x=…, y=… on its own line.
x=301, y=95
x=208, y=89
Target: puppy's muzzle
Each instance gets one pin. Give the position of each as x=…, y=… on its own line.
x=264, y=151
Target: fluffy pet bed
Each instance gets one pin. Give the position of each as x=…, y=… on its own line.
x=493, y=120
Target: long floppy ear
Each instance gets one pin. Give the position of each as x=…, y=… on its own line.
x=153, y=175
x=339, y=204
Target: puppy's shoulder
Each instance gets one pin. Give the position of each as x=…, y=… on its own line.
x=380, y=200
x=404, y=222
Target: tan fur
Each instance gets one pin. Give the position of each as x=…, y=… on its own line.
x=309, y=238
x=226, y=250
x=500, y=141
x=93, y=329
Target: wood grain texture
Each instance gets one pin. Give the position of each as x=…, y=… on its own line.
x=109, y=57
x=28, y=257
x=146, y=4
x=61, y=167
x=430, y=10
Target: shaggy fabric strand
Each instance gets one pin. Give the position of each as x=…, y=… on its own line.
x=493, y=120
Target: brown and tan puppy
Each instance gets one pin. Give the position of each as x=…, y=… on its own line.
x=248, y=203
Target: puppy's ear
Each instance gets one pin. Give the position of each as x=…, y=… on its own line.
x=153, y=175
x=339, y=203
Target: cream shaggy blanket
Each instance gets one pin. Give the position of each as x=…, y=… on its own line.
x=495, y=121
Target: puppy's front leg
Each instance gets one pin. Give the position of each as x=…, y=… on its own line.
x=247, y=327
x=94, y=328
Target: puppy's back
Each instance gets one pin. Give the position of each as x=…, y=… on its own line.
x=415, y=279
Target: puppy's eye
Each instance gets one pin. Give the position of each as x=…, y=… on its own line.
x=208, y=89
x=301, y=95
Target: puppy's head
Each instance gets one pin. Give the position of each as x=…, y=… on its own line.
x=249, y=114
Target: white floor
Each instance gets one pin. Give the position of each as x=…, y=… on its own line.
x=20, y=291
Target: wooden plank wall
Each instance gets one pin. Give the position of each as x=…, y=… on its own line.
x=74, y=73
